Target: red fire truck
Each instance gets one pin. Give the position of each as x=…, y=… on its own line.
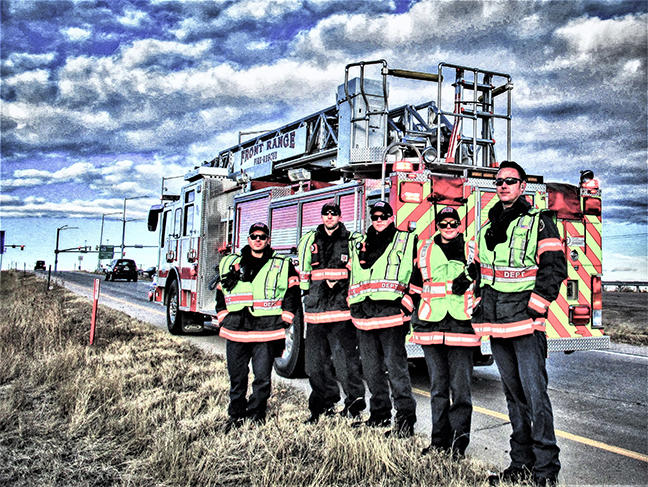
x=421, y=157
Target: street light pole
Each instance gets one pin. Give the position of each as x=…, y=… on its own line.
x=123, y=240
x=56, y=251
x=101, y=236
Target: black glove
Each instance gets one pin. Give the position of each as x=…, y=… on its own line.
x=229, y=280
x=534, y=314
x=472, y=271
x=460, y=284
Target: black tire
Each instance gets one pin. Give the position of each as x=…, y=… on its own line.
x=107, y=277
x=135, y=279
x=175, y=317
x=291, y=363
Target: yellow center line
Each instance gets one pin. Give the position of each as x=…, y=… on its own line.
x=562, y=434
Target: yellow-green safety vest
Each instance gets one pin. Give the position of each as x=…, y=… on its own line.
x=438, y=273
x=512, y=266
x=387, y=279
x=264, y=295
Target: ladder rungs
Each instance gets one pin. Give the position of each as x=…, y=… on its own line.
x=470, y=85
x=469, y=141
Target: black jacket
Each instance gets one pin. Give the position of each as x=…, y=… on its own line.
x=249, y=268
x=328, y=252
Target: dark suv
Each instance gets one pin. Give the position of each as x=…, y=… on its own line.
x=40, y=265
x=122, y=269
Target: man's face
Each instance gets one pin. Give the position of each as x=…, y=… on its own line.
x=330, y=219
x=449, y=228
x=379, y=221
x=258, y=241
x=509, y=193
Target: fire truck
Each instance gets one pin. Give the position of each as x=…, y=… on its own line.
x=420, y=157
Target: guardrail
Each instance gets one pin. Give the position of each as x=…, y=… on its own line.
x=631, y=284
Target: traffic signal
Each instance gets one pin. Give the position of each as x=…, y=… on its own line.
x=22, y=247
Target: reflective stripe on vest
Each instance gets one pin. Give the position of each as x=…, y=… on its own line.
x=330, y=274
x=509, y=330
x=252, y=336
x=511, y=266
x=438, y=273
x=388, y=278
x=327, y=316
x=378, y=322
x=264, y=295
x=447, y=338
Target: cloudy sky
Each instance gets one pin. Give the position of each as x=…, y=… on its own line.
x=100, y=99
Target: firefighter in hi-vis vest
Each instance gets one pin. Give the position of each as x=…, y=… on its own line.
x=521, y=267
x=331, y=342
x=256, y=299
x=381, y=267
x=442, y=327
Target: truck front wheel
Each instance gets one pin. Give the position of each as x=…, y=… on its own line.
x=291, y=362
x=174, y=315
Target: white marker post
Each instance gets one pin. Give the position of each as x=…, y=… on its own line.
x=95, y=302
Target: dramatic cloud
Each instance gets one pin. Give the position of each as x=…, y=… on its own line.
x=104, y=98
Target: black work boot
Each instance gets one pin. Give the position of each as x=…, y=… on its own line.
x=403, y=428
x=511, y=474
x=354, y=409
x=373, y=422
x=542, y=481
x=315, y=415
x=233, y=423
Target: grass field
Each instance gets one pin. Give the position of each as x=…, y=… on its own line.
x=143, y=408
x=625, y=317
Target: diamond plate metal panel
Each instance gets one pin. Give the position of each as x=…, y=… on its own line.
x=367, y=154
x=578, y=344
x=216, y=201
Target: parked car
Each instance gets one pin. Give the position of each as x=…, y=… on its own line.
x=148, y=272
x=122, y=269
x=40, y=265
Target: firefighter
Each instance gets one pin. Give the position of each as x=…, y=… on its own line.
x=330, y=336
x=381, y=267
x=442, y=327
x=521, y=267
x=256, y=299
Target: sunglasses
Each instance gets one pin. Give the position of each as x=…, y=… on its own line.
x=330, y=213
x=256, y=236
x=375, y=218
x=452, y=224
x=508, y=181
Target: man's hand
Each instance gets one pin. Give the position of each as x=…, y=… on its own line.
x=460, y=284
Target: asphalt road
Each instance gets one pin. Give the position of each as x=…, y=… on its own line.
x=599, y=398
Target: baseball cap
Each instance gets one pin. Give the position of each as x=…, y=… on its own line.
x=259, y=227
x=447, y=212
x=383, y=207
x=516, y=166
x=333, y=207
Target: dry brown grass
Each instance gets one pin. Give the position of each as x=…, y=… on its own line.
x=625, y=317
x=141, y=407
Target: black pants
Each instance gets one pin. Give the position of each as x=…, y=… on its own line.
x=521, y=363
x=450, y=370
x=384, y=363
x=262, y=355
x=332, y=351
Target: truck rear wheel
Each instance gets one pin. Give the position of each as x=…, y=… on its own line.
x=175, y=316
x=291, y=363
